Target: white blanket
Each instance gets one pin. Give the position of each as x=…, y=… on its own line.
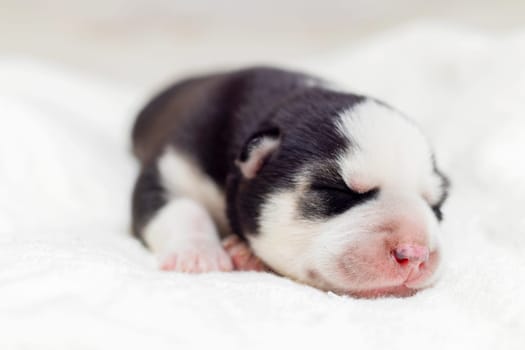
x=72, y=278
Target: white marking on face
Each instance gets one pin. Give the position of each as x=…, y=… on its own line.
x=389, y=151
x=352, y=251
x=182, y=178
x=283, y=240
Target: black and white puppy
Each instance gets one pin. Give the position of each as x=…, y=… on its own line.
x=336, y=190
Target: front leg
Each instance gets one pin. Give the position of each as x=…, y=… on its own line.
x=178, y=230
x=184, y=238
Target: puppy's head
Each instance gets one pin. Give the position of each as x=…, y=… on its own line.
x=342, y=192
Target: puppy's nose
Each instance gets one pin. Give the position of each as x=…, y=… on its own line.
x=410, y=253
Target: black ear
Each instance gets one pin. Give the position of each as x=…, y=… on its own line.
x=257, y=150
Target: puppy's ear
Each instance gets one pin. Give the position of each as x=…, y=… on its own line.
x=257, y=150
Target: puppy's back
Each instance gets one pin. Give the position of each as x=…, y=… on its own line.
x=209, y=117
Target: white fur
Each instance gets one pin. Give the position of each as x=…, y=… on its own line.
x=183, y=233
x=182, y=178
x=283, y=241
x=387, y=151
x=179, y=225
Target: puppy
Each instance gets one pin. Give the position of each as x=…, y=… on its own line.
x=332, y=189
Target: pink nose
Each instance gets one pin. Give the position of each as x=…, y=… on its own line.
x=410, y=253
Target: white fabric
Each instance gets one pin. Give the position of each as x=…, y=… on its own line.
x=72, y=278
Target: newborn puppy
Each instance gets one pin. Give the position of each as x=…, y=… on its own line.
x=332, y=189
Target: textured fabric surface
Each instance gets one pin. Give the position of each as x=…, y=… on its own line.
x=72, y=278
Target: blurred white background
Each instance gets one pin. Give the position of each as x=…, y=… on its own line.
x=148, y=42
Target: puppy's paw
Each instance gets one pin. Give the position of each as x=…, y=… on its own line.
x=184, y=238
x=197, y=259
x=241, y=255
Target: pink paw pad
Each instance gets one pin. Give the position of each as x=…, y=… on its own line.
x=241, y=255
x=197, y=261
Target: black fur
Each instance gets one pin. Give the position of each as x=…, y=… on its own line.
x=212, y=119
x=328, y=195
x=307, y=135
x=445, y=186
x=148, y=198
x=218, y=119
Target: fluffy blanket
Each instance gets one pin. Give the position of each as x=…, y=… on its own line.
x=72, y=278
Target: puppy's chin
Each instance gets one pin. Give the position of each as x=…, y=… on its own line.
x=404, y=290
x=399, y=291
x=389, y=280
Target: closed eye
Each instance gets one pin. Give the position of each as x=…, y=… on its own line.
x=436, y=206
x=337, y=198
x=342, y=188
x=437, y=211
x=444, y=184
